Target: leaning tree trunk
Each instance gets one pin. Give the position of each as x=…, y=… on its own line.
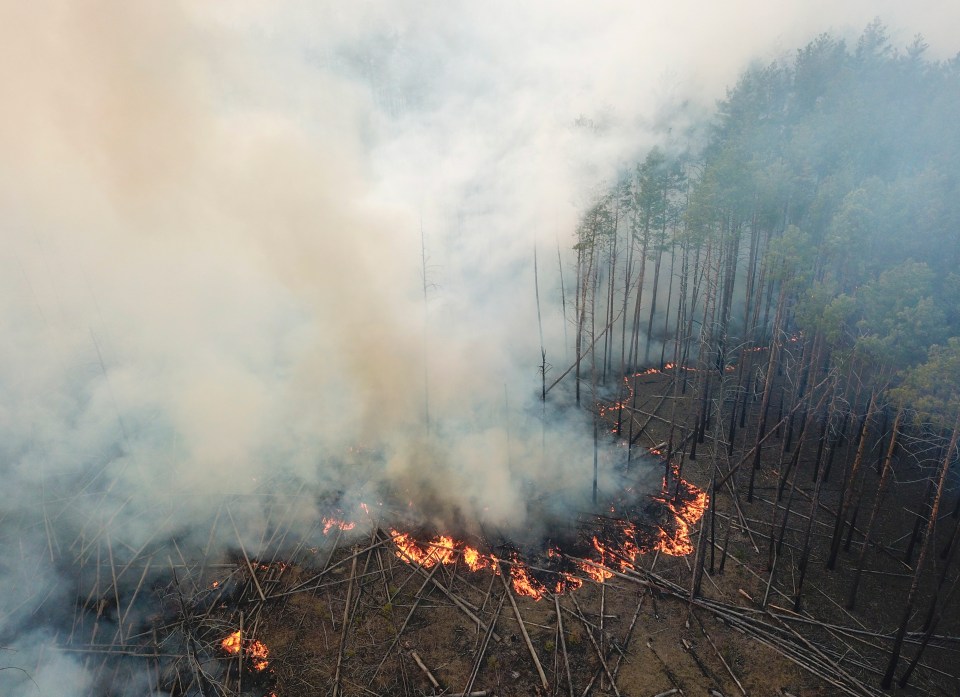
x=804, y=562
x=927, y=541
x=848, y=489
x=881, y=491
x=579, y=319
x=653, y=302
x=767, y=389
x=607, y=343
x=937, y=605
x=635, y=335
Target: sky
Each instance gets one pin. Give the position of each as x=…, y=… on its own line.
x=215, y=220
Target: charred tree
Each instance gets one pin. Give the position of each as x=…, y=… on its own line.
x=878, y=502
x=765, y=402
x=927, y=541
x=848, y=489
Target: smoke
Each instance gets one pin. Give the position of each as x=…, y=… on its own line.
x=251, y=248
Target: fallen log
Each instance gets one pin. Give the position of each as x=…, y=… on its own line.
x=523, y=631
x=423, y=667
x=596, y=647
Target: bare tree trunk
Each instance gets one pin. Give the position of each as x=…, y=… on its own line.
x=698, y=561
x=607, y=343
x=881, y=438
x=937, y=605
x=653, y=302
x=767, y=389
x=543, y=352
x=881, y=491
x=635, y=336
x=927, y=541
x=803, y=564
x=666, y=312
x=918, y=525
x=580, y=320
x=848, y=486
x=627, y=282
x=563, y=304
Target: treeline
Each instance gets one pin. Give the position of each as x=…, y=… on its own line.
x=814, y=244
x=831, y=180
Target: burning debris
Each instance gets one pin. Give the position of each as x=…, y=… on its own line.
x=663, y=523
x=222, y=625
x=255, y=652
x=598, y=547
x=334, y=523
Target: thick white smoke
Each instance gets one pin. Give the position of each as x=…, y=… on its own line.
x=212, y=220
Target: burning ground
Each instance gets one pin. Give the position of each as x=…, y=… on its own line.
x=140, y=608
x=376, y=600
x=395, y=610
x=594, y=549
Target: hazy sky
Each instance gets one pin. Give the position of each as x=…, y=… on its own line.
x=210, y=224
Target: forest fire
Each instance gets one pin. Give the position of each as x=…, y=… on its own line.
x=661, y=522
x=625, y=403
x=687, y=508
x=335, y=523
x=616, y=546
x=254, y=651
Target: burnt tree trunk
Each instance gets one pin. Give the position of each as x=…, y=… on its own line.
x=918, y=571
x=848, y=489
x=767, y=389
x=877, y=503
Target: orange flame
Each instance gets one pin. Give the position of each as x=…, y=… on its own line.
x=439, y=550
x=595, y=571
x=616, y=547
x=232, y=643
x=524, y=584
x=688, y=506
x=255, y=651
x=444, y=550
x=331, y=523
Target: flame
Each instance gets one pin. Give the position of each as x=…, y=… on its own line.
x=595, y=571
x=255, y=651
x=568, y=582
x=615, y=548
x=440, y=550
x=604, y=409
x=444, y=550
x=331, y=523
x=232, y=643
x=524, y=584
x=474, y=560
x=280, y=566
x=688, y=506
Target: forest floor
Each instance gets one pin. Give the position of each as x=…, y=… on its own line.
x=376, y=625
